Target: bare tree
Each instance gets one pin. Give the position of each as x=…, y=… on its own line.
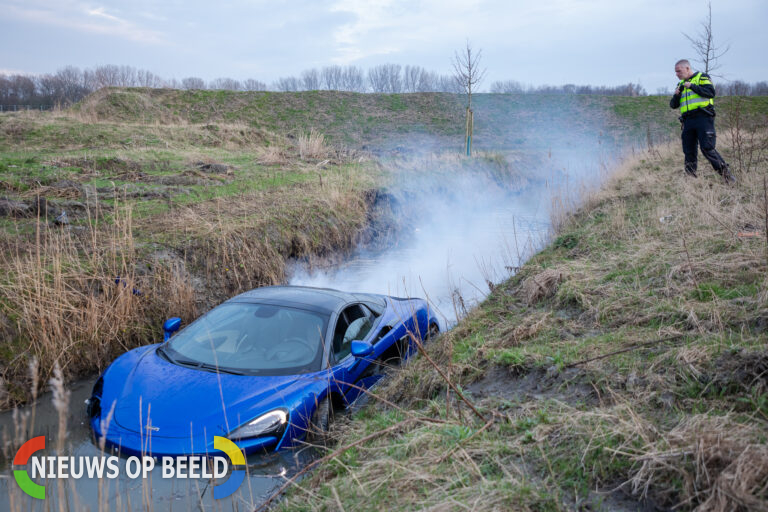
x=17, y=89
x=310, y=80
x=148, y=79
x=447, y=83
x=126, y=76
x=467, y=71
x=287, y=84
x=468, y=74
x=192, y=82
x=394, y=80
x=704, y=44
x=759, y=89
x=106, y=76
x=252, y=84
x=736, y=88
x=227, y=84
x=331, y=77
x=376, y=79
x=416, y=79
x=353, y=79
x=507, y=87
x=385, y=78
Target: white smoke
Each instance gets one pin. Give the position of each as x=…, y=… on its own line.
x=473, y=229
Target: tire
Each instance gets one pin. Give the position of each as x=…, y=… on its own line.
x=317, y=430
x=432, y=333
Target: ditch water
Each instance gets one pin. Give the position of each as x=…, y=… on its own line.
x=449, y=256
x=265, y=472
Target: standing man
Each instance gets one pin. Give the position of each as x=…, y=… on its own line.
x=694, y=96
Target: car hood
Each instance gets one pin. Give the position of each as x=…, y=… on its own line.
x=175, y=401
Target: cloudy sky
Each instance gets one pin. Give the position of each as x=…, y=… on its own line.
x=536, y=42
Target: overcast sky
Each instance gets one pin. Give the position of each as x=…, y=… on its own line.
x=605, y=42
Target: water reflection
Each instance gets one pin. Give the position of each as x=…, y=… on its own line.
x=265, y=472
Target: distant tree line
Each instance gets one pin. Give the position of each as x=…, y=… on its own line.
x=740, y=88
x=387, y=78
x=514, y=87
x=733, y=88
x=71, y=84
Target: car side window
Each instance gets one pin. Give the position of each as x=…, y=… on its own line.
x=354, y=323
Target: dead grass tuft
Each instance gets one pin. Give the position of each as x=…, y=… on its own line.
x=541, y=285
x=271, y=155
x=312, y=145
x=719, y=463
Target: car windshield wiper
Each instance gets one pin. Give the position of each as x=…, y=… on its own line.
x=197, y=364
x=165, y=355
x=179, y=362
x=221, y=369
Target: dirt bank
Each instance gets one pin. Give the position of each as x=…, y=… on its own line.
x=623, y=368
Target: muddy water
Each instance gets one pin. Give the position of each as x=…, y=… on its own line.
x=265, y=472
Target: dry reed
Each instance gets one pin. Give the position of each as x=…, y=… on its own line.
x=312, y=145
x=78, y=300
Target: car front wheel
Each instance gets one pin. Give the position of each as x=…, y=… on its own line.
x=318, y=425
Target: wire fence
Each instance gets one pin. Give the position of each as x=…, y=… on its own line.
x=16, y=108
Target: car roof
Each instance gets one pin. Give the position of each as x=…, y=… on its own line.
x=316, y=298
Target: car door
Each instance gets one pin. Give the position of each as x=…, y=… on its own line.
x=354, y=322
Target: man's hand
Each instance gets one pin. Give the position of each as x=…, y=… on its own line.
x=687, y=84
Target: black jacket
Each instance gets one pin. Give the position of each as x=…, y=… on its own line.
x=705, y=91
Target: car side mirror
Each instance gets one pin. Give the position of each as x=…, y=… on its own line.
x=171, y=326
x=361, y=348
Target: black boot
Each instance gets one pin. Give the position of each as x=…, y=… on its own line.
x=727, y=176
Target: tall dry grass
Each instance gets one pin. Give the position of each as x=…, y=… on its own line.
x=77, y=300
x=312, y=145
x=273, y=154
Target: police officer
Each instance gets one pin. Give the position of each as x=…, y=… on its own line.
x=694, y=96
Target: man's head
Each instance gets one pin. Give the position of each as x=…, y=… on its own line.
x=683, y=69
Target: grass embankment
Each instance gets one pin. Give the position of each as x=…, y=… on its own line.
x=404, y=122
x=185, y=215
x=662, y=274
x=181, y=215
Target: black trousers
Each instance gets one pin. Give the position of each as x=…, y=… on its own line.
x=700, y=131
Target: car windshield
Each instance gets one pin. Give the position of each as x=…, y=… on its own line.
x=261, y=339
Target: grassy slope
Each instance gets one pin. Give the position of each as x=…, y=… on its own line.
x=622, y=276
x=129, y=168
x=387, y=121
x=653, y=258
x=144, y=203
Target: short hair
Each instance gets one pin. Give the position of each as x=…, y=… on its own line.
x=683, y=62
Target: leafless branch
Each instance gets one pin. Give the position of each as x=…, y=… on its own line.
x=467, y=71
x=704, y=44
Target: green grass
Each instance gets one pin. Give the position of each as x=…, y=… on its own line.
x=625, y=279
x=684, y=341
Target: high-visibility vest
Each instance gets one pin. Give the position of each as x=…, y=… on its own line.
x=689, y=100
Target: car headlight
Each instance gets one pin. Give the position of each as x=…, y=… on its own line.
x=271, y=423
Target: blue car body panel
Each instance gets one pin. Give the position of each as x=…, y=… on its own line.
x=145, y=404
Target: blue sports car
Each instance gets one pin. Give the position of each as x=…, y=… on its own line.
x=264, y=369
